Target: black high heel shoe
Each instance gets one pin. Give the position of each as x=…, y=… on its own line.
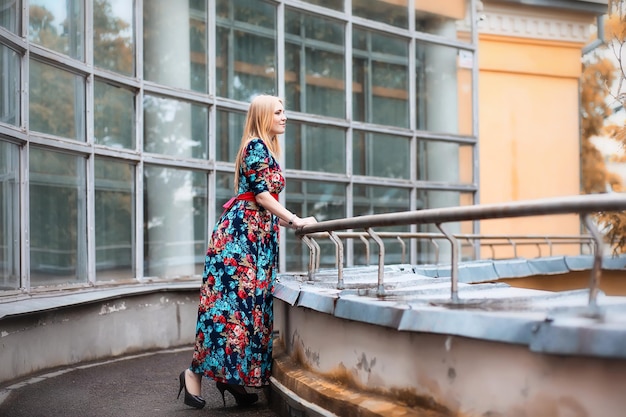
x=191, y=400
x=242, y=397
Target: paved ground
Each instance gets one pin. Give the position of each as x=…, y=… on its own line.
x=137, y=386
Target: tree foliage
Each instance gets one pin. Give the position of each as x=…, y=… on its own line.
x=602, y=84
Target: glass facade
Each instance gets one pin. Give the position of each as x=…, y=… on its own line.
x=120, y=121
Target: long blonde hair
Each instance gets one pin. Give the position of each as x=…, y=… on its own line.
x=258, y=124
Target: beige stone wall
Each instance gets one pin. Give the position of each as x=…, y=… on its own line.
x=529, y=131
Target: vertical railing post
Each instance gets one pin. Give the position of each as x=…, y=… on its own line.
x=596, y=272
x=338, y=258
x=307, y=241
x=454, y=267
x=381, y=261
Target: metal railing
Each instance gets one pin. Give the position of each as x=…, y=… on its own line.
x=583, y=205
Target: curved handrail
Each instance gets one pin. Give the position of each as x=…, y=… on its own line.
x=579, y=204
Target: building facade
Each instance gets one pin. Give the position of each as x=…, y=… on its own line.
x=120, y=121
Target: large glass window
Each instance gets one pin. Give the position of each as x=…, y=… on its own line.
x=229, y=130
x=174, y=37
x=175, y=222
x=381, y=155
x=9, y=217
x=113, y=39
x=392, y=12
x=58, y=226
x=331, y=4
x=10, y=81
x=58, y=25
x=115, y=224
x=175, y=127
x=10, y=15
x=325, y=201
x=315, y=148
x=315, y=64
x=57, y=101
x=246, y=49
x=444, y=89
x=114, y=116
x=380, y=75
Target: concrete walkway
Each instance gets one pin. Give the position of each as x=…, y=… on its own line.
x=134, y=386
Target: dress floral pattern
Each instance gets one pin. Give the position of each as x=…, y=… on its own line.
x=234, y=327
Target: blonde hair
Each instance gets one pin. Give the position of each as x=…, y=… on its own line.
x=258, y=124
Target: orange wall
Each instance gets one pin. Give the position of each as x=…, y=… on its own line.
x=528, y=128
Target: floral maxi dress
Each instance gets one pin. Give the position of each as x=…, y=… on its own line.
x=234, y=326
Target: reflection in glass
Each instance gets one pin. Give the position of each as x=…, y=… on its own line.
x=380, y=155
x=9, y=86
x=445, y=162
x=444, y=90
x=224, y=183
x=115, y=214
x=449, y=19
x=175, y=128
x=315, y=148
x=228, y=132
x=175, y=222
x=324, y=201
x=395, y=13
x=56, y=102
x=114, y=116
x=10, y=15
x=58, y=25
x=174, y=39
x=246, y=49
x=58, y=224
x=9, y=217
x=315, y=65
x=113, y=40
x=380, y=75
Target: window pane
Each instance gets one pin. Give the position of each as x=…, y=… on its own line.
x=315, y=67
x=115, y=219
x=315, y=148
x=380, y=78
x=441, y=252
x=58, y=25
x=380, y=155
x=325, y=201
x=57, y=101
x=444, y=89
x=9, y=86
x=9, y=217
x=114, y=116
x=228, y=130
x=449, y=19
x=394, y=12
x=58, y=231
x=10, y=15
x=113, y=35
x=175, y=128
x=445, y=162
x=246, y=49
x=175, y=222
x=371, y=199
x=175, y=43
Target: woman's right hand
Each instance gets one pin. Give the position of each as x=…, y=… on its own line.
x=298, y=222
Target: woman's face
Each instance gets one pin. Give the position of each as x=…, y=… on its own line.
x=279, y=120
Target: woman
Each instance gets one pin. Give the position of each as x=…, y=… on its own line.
x=234, y=327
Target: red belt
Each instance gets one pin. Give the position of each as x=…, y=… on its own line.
x=249, y=196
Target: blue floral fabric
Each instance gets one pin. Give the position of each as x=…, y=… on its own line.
x=235, y=318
